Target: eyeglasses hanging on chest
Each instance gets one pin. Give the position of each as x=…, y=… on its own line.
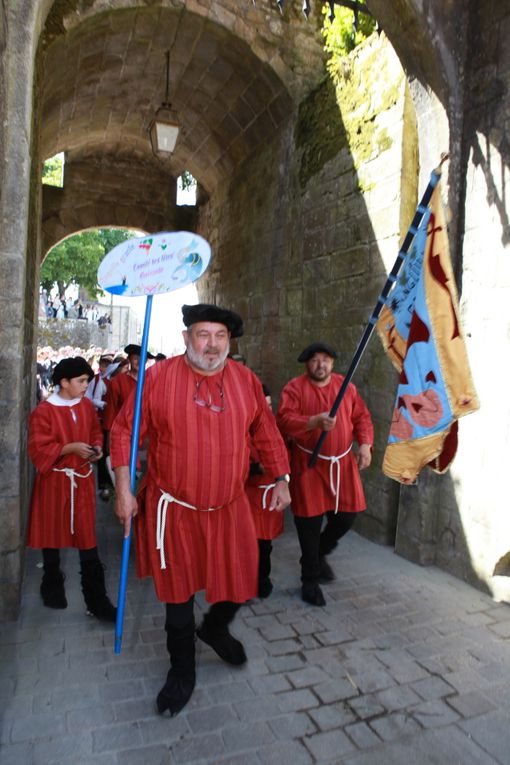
x=209, y=395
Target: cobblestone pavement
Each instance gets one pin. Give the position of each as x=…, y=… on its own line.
x=403, y=665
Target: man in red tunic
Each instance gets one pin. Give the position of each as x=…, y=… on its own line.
x=121, y=386
x=333, y=486
x=194, y=529
x=64, y=441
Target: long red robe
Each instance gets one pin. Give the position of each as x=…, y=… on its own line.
x=50, y=428
x=310, y=488
x=200, y=457
x=119, y=390
x=268, y=524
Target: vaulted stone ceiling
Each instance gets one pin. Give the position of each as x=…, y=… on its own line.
x=103, y=77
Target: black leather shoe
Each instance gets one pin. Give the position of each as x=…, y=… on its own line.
x=176, y=692
x=312, y=593
x=226, y=646
x=326, y=573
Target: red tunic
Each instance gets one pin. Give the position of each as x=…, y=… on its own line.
x=50, y=428
x=200, y=457
x=311, y=490
x=119, y=390
x=268, y=524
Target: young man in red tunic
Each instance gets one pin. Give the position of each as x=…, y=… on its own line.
x=194, y=529
x=121, y=386
x=332, y=488
x=64, y=441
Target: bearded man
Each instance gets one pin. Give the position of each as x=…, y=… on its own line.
x=332, y=490
x=201, y=412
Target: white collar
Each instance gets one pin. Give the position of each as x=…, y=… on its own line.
x=57, y=400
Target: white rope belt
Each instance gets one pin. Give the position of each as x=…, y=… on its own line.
x=72, y=474
x=334, y=461
x=267, y=488
x=163, y=503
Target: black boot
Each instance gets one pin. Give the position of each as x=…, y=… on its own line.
x=214, y=631
x=94, y=591
x=312, y=593
x=52, y=588
x=265, y=583
x=326, y=573
x=180, y=680
x=52, y=585
x=265, y=587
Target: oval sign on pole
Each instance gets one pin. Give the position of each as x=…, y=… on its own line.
x=154, y=264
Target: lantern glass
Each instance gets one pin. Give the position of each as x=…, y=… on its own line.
x=164, y=131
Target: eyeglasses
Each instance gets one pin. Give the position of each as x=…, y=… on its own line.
x=208, y=403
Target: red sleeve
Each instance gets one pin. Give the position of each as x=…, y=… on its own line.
x=289, y=418
x=266, y=436
x=362, y=427
x=43, y=447
x=120, y=434
x=112, y=404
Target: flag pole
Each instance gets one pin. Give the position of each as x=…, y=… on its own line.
x=381, y=300
x=135, y=435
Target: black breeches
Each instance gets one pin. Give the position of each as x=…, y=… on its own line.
x=51, y=556
x=178, y=615
x=265, y=547
x=314, y=544
x=337, y=525
x=103, y=476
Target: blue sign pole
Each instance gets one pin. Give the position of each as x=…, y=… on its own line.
x=121, y=601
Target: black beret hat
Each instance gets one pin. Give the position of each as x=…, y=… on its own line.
x=191, y=314
x=136, y=350
x=72, y=367
x=310, y=350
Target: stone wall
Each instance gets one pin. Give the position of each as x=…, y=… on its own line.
x=78, y=333
x=90, y=198
x=306, y=231
x=124, y=329
x=19, y=247
x=478, y=474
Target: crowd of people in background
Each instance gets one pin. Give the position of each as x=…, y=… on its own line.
x=48, y=358
x=57, y=307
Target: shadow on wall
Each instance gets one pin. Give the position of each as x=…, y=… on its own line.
x=319, y=214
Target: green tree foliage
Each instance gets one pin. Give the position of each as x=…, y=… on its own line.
x=53, y=171
x=76, y=260
x=341, y=37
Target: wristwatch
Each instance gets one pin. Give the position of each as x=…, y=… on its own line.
x=285, y=478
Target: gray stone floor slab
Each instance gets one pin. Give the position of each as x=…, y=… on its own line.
x=403, y=665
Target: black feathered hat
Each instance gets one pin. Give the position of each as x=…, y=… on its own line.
x=191, y=314
x=72, y=367
x=136, y=350
x=310, y=350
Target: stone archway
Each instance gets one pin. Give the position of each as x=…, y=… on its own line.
x=244, y=70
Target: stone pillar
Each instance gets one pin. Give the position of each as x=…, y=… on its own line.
x=19, y=223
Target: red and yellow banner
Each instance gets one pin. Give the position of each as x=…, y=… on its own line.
x=421, y=333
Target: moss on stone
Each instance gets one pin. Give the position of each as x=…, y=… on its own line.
x=319, y=130
x=344, y=114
